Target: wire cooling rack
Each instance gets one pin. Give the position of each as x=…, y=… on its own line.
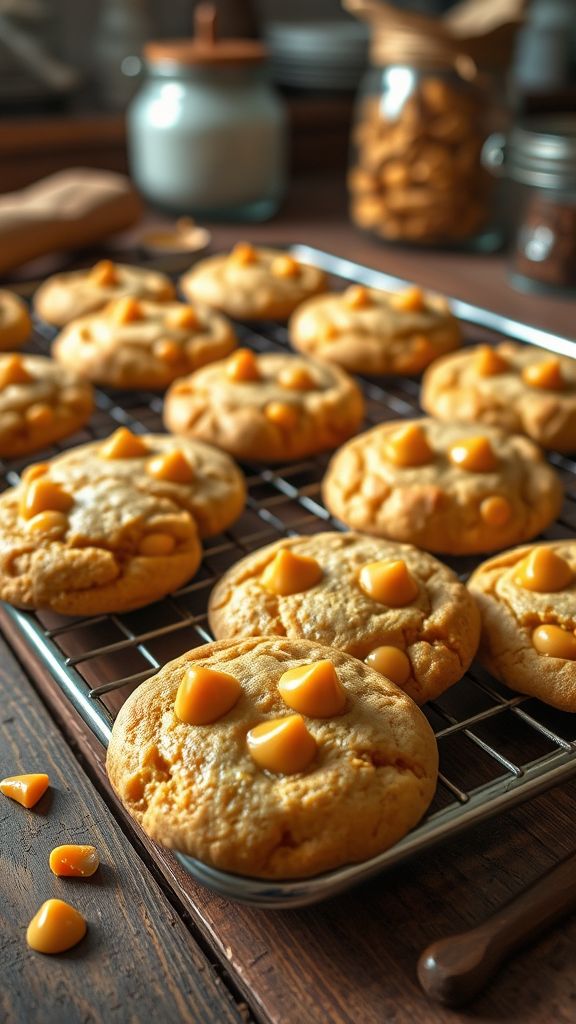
x=496, y=748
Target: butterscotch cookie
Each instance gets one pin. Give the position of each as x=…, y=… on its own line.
x=527, y=599
x=132, y=343
x=269, y=408
x=369, y=331
x=273, y=758
x=390, y=605
x=196, y=477
x=252, y=283
x=40, y=403
x=517, y=387
x=451, y=488
x=65, y=296
x=15, y=323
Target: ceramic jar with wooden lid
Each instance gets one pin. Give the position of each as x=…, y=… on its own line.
x=207, y=133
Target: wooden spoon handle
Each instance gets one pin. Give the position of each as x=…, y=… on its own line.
x=455, y=969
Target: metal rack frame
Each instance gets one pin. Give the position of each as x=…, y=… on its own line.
x=496, y=749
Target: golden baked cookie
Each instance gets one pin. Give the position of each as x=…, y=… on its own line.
x=15, y=322
x=527, y=599
x=40, y=403
x=196, y=477
x=374, y=332
x=252, y=283
x=65, y=296
x=132, y=343
x=269, y=408
x=272, y=758
x=520, y=388
x=396, y=608
x=455, y=488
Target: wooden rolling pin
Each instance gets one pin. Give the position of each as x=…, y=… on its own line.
x=68, y=210
x=456, y=969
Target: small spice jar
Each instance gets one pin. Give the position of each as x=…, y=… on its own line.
x=207, y=133
x=539, y=158
x=422, y=116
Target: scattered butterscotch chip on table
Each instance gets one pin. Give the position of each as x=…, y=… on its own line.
x=375, y=332
x=115, y=524
x=252, y=283
x=519, y=388
x=56, y=927
x=527, y=599
x=134, y=343
x=273, y=757
x=267, y=407
x=452, y=488
x=76, y=293
x=397, y=608
x=40, y=403
x=26, y=790
x=74, y=861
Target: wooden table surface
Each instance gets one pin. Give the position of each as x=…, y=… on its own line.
x=162, y=949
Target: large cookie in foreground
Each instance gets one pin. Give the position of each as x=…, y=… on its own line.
x=397, y=608
x=331, y=768
x=455, y=488
x=527, y=599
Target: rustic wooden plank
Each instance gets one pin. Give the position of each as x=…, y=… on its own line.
x=354, y=957
x=138, y=960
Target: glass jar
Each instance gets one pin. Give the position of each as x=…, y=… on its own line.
x=539, y=158
x=416, y=174
x=207, y=133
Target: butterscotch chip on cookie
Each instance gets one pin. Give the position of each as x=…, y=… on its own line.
x=527, y=599
x=15, y=323
x=132, y=343
x=374, y=332
x=396, y=608
x=268, y=408
x=453, y=488
x=520, y=388
x=273, y=758
x=40, y=403
x=65, y=296
x=252, y=283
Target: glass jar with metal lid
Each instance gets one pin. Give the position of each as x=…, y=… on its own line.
x=539, y=158
x=206, y=132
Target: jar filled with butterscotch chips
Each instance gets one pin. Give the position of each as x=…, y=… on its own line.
x=422, y=117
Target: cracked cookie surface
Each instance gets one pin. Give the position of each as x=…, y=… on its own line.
x=513, y=615
x=370, y=332
x=252, y=283
x=438, y=630
x=437, y=503
x=197, y=789
x=15, y=323
x=269, y=408
x=86, y=534
x=139, y=344
x=63, y=297
x=474, y=387
x=40, y=403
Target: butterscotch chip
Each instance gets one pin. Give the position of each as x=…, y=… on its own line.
x=264, y=791
x=123, y=537
x=436, y=627
x=379, y=333
x=139, y=344
x=527, y=599
x=35, y=407
x=261, y=415
x=15, y=323
x=459, y=387
x=255, y=288
x=77, y=293
x=440, y=505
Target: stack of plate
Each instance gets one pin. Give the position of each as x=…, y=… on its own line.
x=317, y=54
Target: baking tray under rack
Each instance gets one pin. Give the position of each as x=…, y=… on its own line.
x=496, y=748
